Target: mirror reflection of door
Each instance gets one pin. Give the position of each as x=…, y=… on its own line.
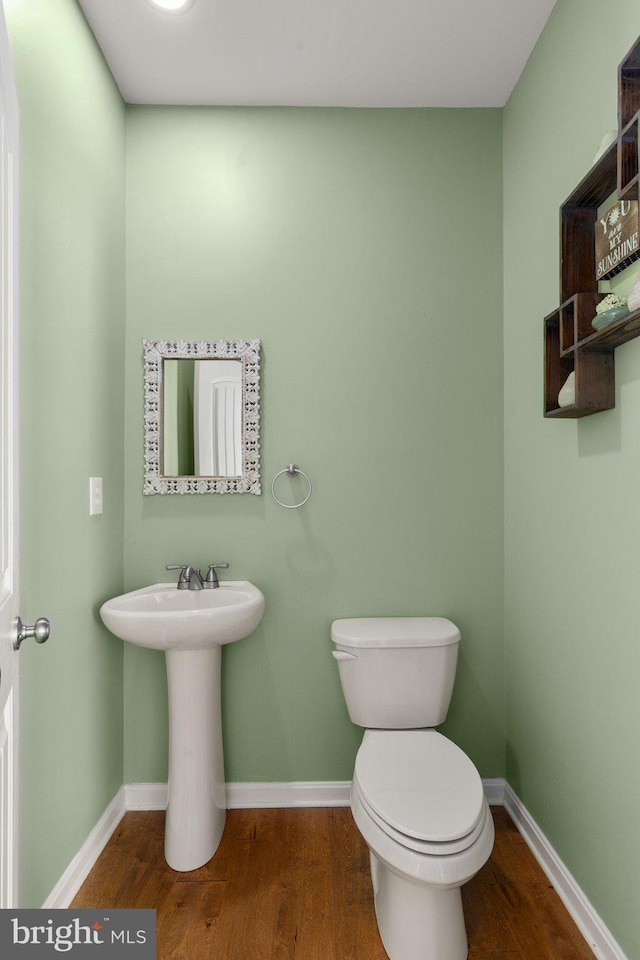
x=202, y=418
x=217, y=418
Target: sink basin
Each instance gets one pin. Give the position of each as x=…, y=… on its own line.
x=191, y=627
x=163, y=617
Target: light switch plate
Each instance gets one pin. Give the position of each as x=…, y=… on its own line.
x=95, y=496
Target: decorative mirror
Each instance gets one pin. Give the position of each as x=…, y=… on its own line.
x=201, y=416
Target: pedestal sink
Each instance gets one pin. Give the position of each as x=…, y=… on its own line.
x=191, y=626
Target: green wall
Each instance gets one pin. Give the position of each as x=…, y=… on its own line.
x=72, y=328
x=571, y=511
x=364, y=248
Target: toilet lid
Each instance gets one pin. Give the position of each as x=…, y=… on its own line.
x=420, y=783
x=433, y=848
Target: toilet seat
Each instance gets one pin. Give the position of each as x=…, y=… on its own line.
x=421, y=790
x=428, y=848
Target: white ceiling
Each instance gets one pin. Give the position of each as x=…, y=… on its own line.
x=342, y=53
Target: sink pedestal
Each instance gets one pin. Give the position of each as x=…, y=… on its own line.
x=196, y=809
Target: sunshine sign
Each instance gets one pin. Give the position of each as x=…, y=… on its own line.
x=617, y=242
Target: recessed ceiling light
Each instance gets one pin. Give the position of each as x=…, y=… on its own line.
x=173, y=6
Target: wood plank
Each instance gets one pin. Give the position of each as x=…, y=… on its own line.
x=186, y=919
x=540, y=924
x=488, y=929
x=494, y=954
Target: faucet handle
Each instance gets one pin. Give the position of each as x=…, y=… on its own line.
x=183, y=580
x=212, y=576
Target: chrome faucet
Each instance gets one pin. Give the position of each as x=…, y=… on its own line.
x=191, y=579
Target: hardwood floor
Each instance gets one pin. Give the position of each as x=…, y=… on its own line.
x=295, y=884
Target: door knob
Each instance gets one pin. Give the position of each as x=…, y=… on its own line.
x=39, y=631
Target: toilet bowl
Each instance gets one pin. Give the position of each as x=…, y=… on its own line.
x=427, y=834
x=416, y=798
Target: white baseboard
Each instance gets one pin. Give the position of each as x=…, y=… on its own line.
x=494, y=790
x=245, y=796
x=153, y=796
x=145, y=796
x=588, y=921
x=78, y=870
x=328, y=793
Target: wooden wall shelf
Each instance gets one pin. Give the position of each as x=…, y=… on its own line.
x=571, y=343
x=628, y=161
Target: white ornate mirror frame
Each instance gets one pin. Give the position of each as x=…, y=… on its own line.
x=155, y=353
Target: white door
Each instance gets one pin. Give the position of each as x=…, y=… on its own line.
x=9, y=545
x=12, y=630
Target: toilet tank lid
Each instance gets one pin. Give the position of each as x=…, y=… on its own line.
x=394, y=632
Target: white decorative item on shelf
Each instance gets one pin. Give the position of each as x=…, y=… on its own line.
x=633, y=300
x=609, y=310
x=567, y=395
x=611, y=302
x=608, y=138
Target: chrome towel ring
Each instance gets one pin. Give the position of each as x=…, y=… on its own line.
x=291, y=470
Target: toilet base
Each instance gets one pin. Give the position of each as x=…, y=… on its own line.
x=417, y=921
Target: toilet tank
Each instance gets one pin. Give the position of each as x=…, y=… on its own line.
x=397, y=673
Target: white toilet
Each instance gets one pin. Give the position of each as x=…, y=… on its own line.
x=416, y=798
